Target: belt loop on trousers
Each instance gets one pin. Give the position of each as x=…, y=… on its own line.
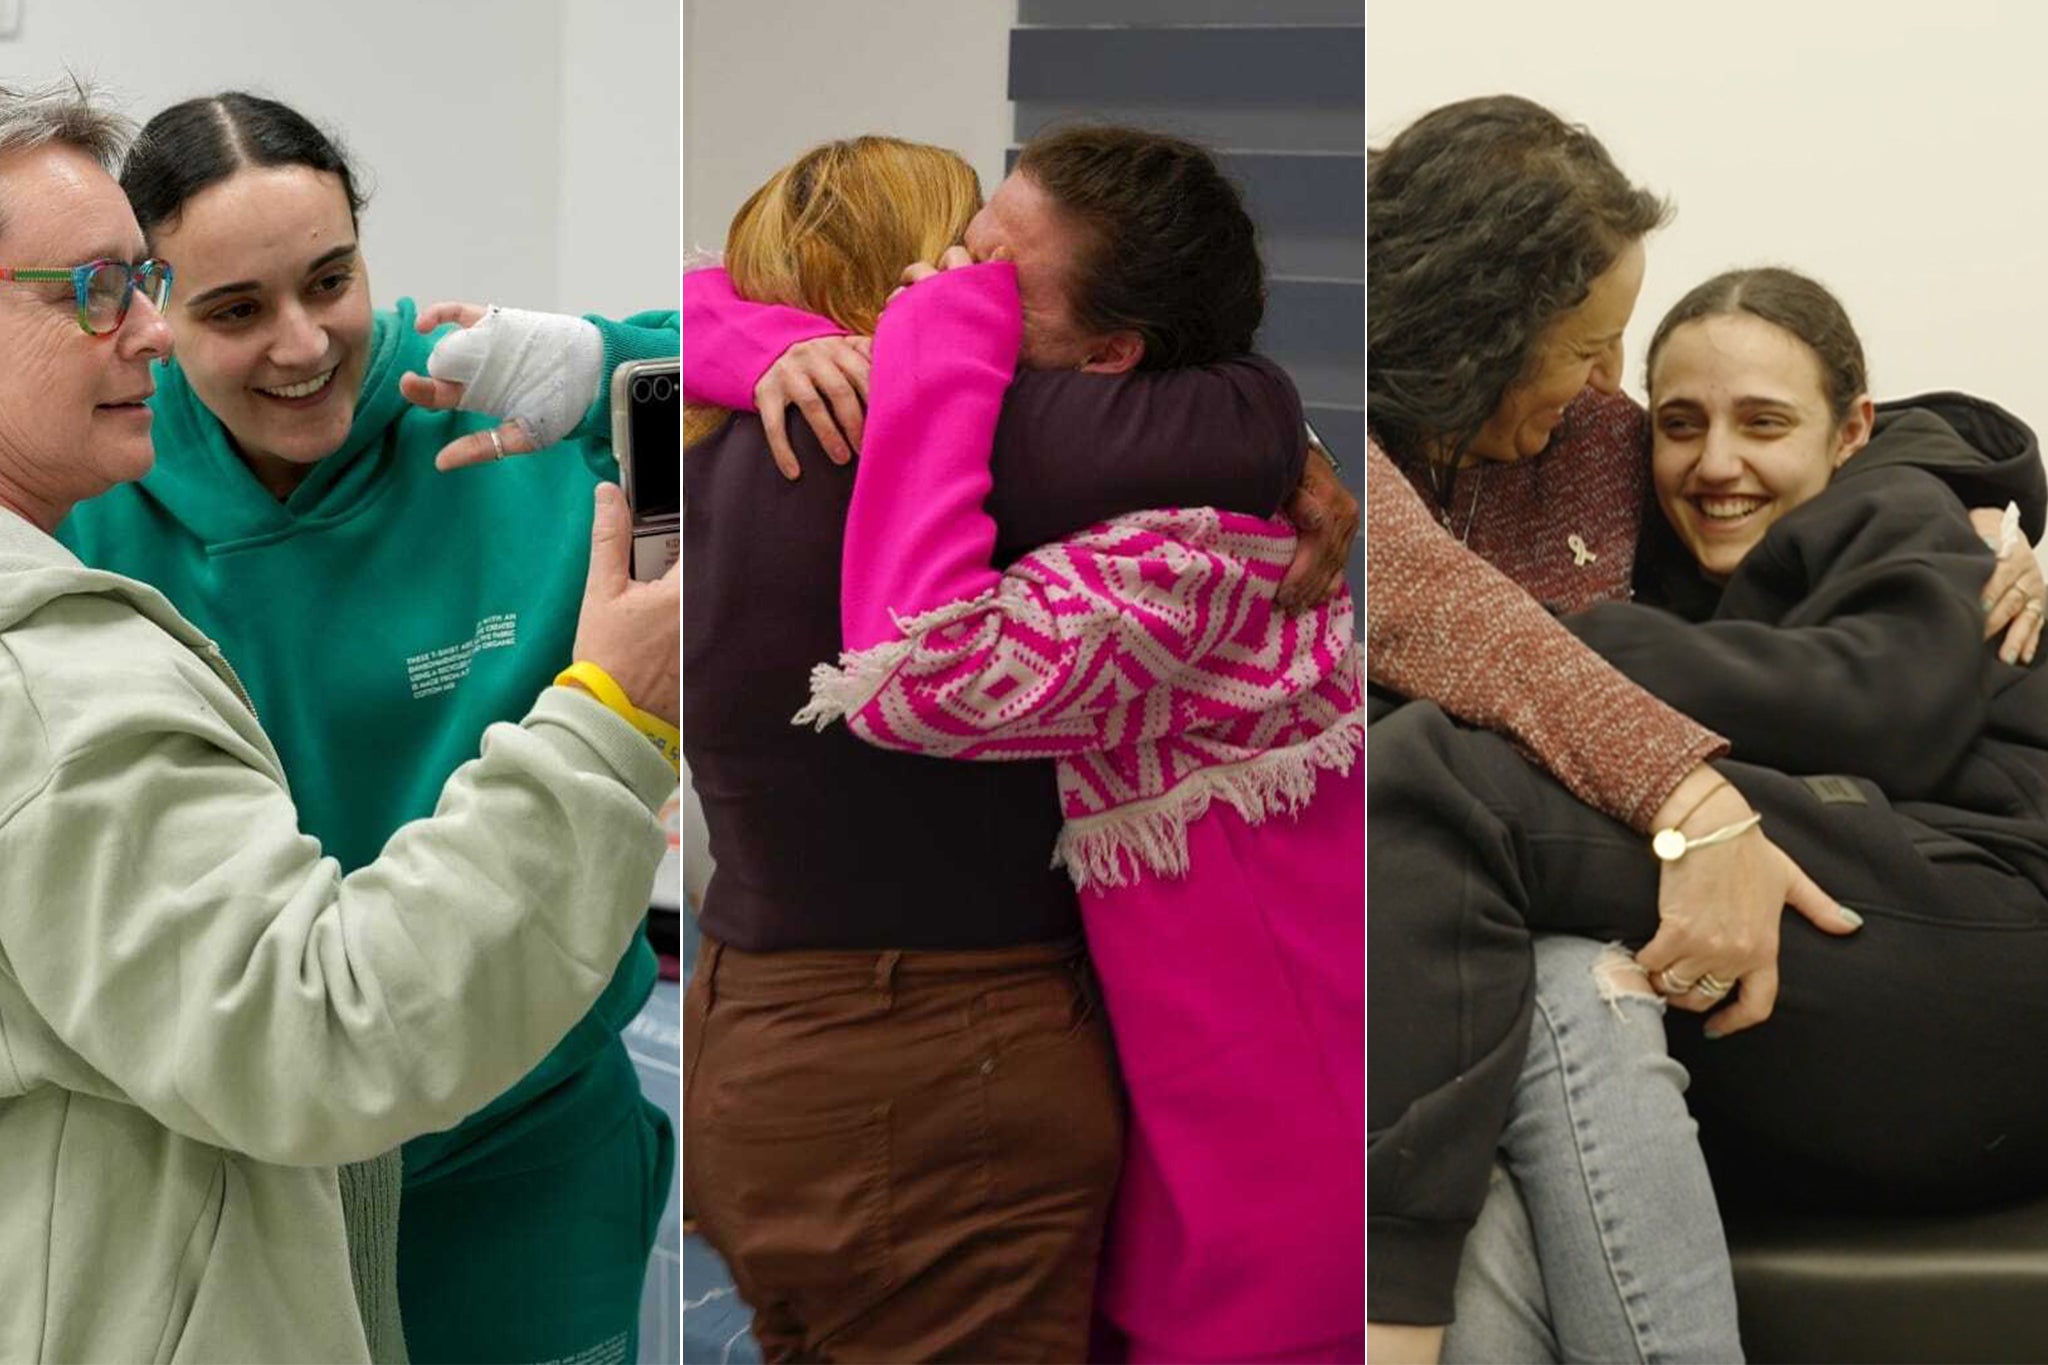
x=885, y=975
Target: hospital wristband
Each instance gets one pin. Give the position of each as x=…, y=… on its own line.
x=667, y=740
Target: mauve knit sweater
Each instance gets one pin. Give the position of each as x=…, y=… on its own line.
x=1469, y=625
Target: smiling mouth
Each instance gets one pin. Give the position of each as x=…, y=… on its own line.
x=1728, y=510
x=305, y=389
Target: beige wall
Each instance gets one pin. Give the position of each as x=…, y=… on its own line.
x=1892, y=148
x=620, y=154
x=764, y=79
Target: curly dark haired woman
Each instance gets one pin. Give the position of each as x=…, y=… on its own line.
x=1507, y=481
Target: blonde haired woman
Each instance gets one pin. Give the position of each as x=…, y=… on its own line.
x=903, y=1121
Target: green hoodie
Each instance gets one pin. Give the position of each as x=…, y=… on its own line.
x=381, y=617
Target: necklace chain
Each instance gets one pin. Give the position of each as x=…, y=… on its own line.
x=1472, y=509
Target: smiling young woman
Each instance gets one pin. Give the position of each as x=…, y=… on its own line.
x=296, y=515
x=272, y=321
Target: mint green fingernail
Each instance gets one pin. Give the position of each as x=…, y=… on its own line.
x=1711, y=1034
x=1849, y=917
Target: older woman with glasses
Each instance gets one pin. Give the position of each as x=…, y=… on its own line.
x=201, y=1016
x=381, y=614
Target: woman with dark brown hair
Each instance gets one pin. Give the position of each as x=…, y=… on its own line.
x=1813, y=591
x=1507, y=483
x=891, y=967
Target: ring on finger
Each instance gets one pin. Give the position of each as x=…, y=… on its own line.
x=2032, y=608
x=497, y=446
x=1671, y=984
x=1711, y=986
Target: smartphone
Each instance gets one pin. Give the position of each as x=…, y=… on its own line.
x=1315, y=443
x=647, y=418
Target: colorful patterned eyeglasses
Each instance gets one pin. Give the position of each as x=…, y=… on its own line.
x=104, y=288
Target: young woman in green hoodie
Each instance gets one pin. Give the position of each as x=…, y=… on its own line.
x=382, y=614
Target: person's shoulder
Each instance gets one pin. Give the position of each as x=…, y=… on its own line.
x=731, y=474
x=1899, y=497
x=1607, y=418
x=119, y=508
x=25, y=749
x=90, y=662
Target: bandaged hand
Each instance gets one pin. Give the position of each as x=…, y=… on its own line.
x=539, y=371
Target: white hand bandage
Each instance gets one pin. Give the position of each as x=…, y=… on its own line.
x=540, y=370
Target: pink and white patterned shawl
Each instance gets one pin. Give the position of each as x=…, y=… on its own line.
x=1143, y=654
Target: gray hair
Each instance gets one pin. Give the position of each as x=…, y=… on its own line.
x=61, y=112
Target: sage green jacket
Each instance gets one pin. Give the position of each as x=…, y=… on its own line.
x=201, y=1017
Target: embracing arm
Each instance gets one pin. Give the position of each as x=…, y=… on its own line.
x=1075, y=448
x=1443, y=625
x=1850, y=640
x=1071, y=448
x=1077, y=646
x=733, y=341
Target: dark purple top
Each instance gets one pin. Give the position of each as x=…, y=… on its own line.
x=823, y=842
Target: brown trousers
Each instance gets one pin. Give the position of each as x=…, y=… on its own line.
x=903, y=1156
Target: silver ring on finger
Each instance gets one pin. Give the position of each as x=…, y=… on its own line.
x=1671, y=984
x=2033, y=608
x=497, y=446
x=1712, y=987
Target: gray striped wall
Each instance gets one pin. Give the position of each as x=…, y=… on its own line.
x=1277, y=89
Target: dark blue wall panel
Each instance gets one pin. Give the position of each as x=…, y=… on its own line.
x=1277, y=89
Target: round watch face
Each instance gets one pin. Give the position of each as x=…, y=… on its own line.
x=1668, y=844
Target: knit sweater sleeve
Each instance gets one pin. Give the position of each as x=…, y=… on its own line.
x=1443, y=625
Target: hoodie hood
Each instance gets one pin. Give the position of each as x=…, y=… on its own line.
x=35, y=570
x=1986, y=456
x=204, y=485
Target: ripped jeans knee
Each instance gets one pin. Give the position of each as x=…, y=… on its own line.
x=1617, y=976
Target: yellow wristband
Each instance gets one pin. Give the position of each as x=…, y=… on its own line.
x=667, y=740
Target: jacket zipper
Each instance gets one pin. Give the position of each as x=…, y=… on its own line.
x=219, y=663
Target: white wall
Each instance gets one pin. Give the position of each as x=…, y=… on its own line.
x=1890, y=148
x=485, y=126
x=765, y=79
x=622, y=154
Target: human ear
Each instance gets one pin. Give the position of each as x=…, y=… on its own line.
x=1856, y=429
x=1114, y=353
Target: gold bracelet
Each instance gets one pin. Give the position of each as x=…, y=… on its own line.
x=666, y=739
x=1670, y=845
x=1694, y=808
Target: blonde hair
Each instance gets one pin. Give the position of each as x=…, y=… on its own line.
x=832, y=231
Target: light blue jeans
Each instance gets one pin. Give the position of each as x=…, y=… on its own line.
x=1600, y=1239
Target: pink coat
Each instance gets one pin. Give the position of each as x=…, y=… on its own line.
x=1207, y=749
